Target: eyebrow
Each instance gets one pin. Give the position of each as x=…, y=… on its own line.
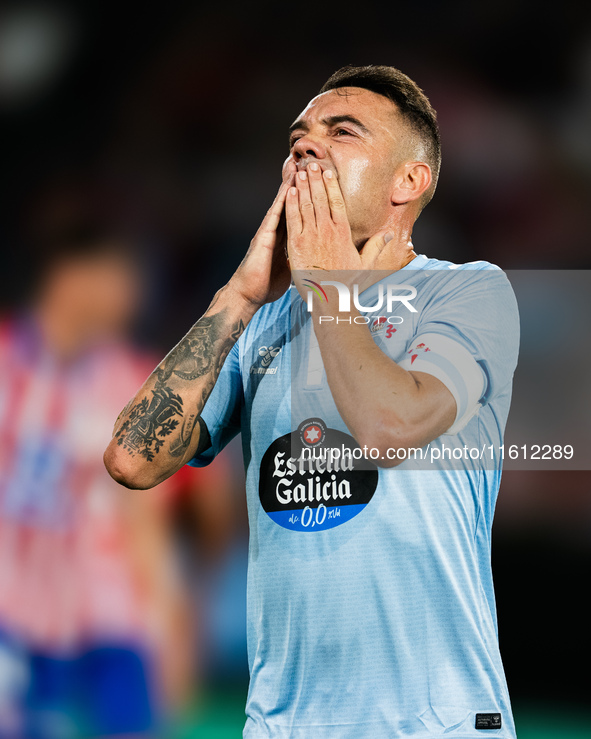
x=331, y=121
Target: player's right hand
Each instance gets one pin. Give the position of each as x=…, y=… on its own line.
x=264, y=275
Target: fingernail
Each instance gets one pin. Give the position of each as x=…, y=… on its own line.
x=388, y=237
x=314, y=166
x=293, y=191
x=328, y=174
x=302, y=175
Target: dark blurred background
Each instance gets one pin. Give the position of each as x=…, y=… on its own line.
x=166, y=124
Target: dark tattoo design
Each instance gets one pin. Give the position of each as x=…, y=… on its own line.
x=149, y=422
x=180, y=445
x=201, y=353
x=193, y=356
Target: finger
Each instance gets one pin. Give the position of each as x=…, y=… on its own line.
x=374, y=246
x=293, y=217
x=289, y=169
x=306, y=205
x=318, y=193
x=336, y=202
x=271, y=220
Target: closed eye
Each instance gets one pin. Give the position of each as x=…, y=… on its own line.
x=336, y=132
x=332, y=125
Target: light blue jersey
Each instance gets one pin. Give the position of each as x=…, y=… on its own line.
x=370, y=597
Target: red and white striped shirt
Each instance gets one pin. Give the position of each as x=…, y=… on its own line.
x=65, y=566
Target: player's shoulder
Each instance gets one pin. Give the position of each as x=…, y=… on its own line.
x=269, y=324
x=443, y=264
x=467, y=277
x=478, y=290
x=270, y=314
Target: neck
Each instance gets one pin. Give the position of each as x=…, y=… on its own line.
x=399, y=251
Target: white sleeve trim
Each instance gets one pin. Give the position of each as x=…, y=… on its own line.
x=452, y=364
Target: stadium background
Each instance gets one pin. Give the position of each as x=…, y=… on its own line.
x=168, y=122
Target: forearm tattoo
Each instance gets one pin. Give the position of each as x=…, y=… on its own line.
x=201, y=354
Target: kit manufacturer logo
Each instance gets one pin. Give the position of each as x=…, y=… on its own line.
x=267, y=354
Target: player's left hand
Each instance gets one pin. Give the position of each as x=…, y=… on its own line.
x=318, y=231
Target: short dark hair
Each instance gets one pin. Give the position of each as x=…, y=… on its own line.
x=410, y=100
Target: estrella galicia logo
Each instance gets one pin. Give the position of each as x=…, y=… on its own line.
x=315, y=478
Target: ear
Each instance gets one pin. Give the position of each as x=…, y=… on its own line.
x=411, y=180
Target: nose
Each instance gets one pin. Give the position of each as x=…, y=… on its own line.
x=308, y=146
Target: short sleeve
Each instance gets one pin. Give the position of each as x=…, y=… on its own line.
x=221, y=413
x=455, y=367
x=467, y=335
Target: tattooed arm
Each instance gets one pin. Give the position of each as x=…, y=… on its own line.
x=161, y=428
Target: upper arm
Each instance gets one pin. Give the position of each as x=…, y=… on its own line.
x=220, y=418
x=438, y=408
x=456, y=384
x=466, y=340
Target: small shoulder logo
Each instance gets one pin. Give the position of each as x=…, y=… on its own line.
x=267, y=354
x=378, y=324
x=312, y=432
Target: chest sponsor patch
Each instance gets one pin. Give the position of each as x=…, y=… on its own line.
x=315, y=478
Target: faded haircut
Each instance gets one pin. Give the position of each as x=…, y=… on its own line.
x=411, y=101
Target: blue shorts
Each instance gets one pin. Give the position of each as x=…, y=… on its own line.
x=99, y=691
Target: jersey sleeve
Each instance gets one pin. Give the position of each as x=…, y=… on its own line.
x=467, y=335
x=222, y=410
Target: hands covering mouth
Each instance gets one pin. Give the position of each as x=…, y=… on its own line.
x=303, y=164
x=290, y=166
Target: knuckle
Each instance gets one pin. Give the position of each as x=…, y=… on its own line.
x=307, y=205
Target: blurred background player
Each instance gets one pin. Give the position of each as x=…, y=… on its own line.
x=96, y=634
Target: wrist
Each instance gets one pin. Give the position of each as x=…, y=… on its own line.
x=236, y=301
